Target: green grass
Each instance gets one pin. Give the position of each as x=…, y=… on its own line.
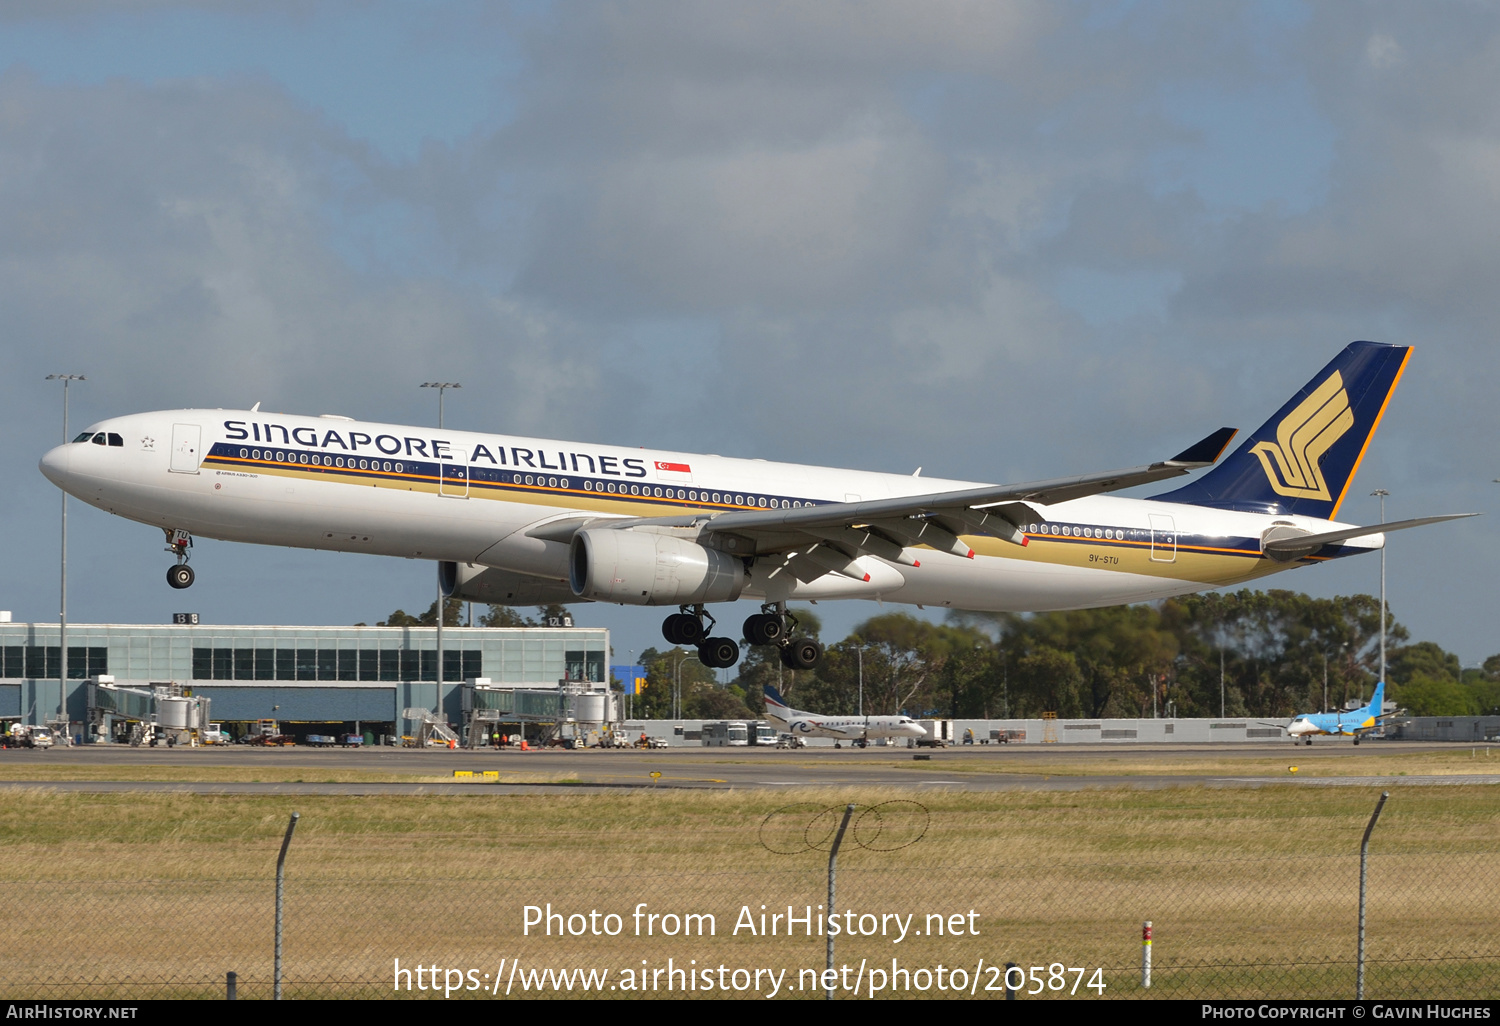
x=1253, y=892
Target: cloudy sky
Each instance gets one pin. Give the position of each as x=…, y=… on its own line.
x=1001, y=241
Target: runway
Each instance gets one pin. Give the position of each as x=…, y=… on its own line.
x=384, y=771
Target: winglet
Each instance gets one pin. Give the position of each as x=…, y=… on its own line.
x=1208, y=450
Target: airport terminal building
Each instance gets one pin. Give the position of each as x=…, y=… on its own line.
x=357, y=677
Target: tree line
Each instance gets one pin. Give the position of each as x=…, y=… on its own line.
x=1265, y=654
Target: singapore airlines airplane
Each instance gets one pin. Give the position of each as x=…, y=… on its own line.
x=521, y=521
x=856, y=729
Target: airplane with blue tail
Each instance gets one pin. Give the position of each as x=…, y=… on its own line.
x=1353, y=723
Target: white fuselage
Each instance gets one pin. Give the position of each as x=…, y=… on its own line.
x=469, y=498
x=806, y=724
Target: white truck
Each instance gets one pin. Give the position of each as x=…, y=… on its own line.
x=939, y=735
x=22, y=736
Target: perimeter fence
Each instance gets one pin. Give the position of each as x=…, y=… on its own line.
x=1249, y=898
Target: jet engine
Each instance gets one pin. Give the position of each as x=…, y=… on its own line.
x=500, y=587
x=642, y=568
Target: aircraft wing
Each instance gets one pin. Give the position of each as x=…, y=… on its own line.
x=1295, y=546
x=841, y=731
x=833, y=535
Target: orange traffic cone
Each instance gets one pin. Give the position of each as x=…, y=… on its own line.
x=524, y=746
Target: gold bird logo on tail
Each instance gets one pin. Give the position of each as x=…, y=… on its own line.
x=1303, y=437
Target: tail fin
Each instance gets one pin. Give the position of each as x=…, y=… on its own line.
x=1377, y=700
x=1302, y=460
x=774, y=702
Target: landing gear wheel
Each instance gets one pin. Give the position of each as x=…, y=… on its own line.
x=180, y=576
x=801, y=654
x=1356, y=740
x=1309, y=741
x=765, y=629
x=682, y=629
x=718, y=653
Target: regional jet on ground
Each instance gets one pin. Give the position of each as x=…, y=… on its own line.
x=1353, y=723
x=520, y=521
x=858, y=730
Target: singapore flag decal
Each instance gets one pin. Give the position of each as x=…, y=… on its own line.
x=674, y=472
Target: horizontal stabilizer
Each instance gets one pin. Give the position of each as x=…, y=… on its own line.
x=1299, y=545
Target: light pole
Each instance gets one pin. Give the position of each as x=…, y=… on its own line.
x=62, y=607
x=441, y=386
x=437, y=708
x=630, y=690
x=1382, y=493
x=1221, y=679
x=677, y=685
x=859, y=653
x=1005, y=680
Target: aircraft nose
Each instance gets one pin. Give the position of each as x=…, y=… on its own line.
x=55, y=465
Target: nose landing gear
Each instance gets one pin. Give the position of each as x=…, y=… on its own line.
x=180, y=576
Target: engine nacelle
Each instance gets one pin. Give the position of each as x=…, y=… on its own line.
x=641, y=568
x=500, y=587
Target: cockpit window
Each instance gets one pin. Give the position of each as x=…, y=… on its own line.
x=84, y=437
x=99, y=439
x=115, y=439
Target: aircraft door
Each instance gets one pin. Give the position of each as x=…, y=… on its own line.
x=1163, y=538
x=454, y=481
x=186, y=448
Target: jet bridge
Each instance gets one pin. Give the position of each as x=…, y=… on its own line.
x=143, y=713
x=568, y=709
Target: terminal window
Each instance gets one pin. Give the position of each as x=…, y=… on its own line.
x=40, y=662
x=461, y=665
x=585, y=665
x=283, y=663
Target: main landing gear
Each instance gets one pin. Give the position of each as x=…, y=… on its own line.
x=181, y=575
x=685, y=628
x=773, y=625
